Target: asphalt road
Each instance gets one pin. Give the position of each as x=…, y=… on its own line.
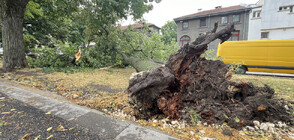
x=28, y=114
x=19, y=120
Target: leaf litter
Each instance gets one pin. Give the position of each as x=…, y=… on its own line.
x=114, y=104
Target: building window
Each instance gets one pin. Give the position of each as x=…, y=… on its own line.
x=256, y=14
x=184, y=40
x=283, y=8
x=287, y=8
x=236, y=18
x=224, y=20
x=235, y=36
x=264, y=35
x=185, y=25
x=202, y=22
x=292, y=9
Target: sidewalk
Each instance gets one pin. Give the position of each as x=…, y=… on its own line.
x=95, y=121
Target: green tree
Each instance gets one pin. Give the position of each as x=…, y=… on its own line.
x=46, y=20
x=169, y=32
x=144, y=49
x=99, y=15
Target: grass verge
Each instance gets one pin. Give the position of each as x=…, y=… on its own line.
x=283, y=86
x=104, y=90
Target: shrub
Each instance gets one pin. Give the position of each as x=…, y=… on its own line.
x=51, y=57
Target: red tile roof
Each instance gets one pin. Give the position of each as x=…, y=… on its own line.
x=218, y=10
x=138, y=25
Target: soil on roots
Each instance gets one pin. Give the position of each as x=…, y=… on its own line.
x=204, y=87
x=190, y=86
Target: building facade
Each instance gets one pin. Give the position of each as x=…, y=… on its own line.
x=254, y=29
x=191, y=26
x=272, y=19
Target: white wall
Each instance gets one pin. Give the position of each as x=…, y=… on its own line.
x=254, y=28
x=287, y=33
x=272, y=18
x=279, y=24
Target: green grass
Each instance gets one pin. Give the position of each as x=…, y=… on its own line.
x=283, y=86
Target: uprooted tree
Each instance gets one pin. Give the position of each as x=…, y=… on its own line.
x=189, y=84
x=144, y=48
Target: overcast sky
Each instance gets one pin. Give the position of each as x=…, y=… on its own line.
x=167, y=10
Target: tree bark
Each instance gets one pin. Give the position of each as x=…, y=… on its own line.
x=12, y=34
x=145, y=88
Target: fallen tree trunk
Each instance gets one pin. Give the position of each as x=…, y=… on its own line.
x=190, y=84
x=137, y=63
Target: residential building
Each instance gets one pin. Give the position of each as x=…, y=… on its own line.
x=272, y=19
x=140, y=25
x=191, y=26
x=254, y=29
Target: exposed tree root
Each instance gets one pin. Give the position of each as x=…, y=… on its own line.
x=189, y=83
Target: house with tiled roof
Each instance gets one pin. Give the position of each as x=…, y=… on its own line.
x=140, y=25
x=192, y=25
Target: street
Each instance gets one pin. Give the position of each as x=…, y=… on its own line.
x=20, y=120
x=34, y=114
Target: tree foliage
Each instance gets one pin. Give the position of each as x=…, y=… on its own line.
x=169, y=32
x=146, y=44
x=52, y=26
x=48, y=19
x=76, y=21
x=144, y=49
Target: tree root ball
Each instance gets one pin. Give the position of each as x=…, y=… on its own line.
x=189, y=85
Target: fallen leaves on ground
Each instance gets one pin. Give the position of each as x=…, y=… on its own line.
x=3, y=113
x=26, y=136
x=51, y=136
x=36, y=138
x=81, y=88
x=61, y=128
x=50, y=128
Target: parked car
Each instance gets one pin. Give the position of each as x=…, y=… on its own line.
x=259, y=55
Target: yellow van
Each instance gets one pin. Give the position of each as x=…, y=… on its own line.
x=259, y=55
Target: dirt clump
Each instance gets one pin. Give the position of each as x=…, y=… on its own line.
x=189, y=83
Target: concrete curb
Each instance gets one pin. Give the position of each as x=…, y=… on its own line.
x=270, y=74
x=106, y=127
